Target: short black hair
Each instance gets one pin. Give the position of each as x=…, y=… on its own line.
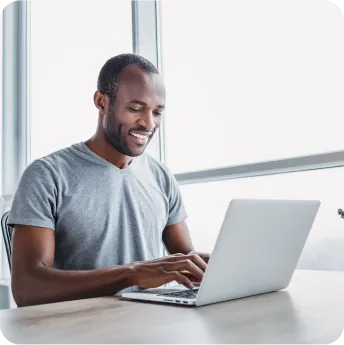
x=109, y=74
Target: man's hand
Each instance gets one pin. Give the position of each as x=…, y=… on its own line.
x=177, y=267
x=204, y=256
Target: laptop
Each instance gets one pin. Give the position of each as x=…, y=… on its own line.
x=256, y=252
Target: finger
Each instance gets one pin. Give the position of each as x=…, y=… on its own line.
x=197, y=260
x=179, y=256
x=163, y=277
x=204, y=256
x=191, y=277
x=194, y=257
x=173, y=257
x=180, y=278
x=187, y=265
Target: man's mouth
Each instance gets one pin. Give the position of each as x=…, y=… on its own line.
x=141, y=136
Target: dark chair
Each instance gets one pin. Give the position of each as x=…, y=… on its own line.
x=7, y=235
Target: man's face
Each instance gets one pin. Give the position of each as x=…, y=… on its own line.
x=136, y=113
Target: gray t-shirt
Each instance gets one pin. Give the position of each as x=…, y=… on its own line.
x=102, y=215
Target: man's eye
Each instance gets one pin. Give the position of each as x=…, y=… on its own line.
x=157, y=113
x=134, y=110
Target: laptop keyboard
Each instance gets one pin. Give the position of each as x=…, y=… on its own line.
x=191, y=294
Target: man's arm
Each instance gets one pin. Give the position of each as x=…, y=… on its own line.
x=176, y=236
x=177, y=239
x=35, y=281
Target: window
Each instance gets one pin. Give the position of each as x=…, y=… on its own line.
x=2, y=250
x=2, y=83
x=70, y=42
x=206, y=204
x=251, y=81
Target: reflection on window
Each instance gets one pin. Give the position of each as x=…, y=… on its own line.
x=70, y=41
x=251, y=81
x=207, y=203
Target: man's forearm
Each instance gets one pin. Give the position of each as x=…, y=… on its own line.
x=47, y=285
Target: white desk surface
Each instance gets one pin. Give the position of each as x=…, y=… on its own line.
x=310, y=310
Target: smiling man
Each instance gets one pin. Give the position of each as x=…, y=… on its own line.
x=91, y=220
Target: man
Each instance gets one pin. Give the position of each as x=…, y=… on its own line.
x=90, y=219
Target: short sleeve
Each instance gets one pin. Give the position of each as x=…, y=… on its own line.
x=34, y=202
x=177, y=212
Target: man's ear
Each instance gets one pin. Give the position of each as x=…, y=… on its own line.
x=100, y=102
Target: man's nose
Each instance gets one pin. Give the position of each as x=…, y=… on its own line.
x=147, y=121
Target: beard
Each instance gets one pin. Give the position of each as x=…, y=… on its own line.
x=117, y=136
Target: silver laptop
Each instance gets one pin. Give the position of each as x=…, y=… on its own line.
x=257, y=251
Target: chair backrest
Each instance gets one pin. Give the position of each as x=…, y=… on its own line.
x=7, y=235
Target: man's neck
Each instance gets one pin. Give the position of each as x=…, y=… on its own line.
x=102, y=148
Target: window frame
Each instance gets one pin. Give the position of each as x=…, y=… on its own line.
x=146, y=22
x=313, y=161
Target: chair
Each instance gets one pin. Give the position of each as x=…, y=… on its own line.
x=7, y=235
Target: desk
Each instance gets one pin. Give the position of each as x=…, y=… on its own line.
x=311, y=310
